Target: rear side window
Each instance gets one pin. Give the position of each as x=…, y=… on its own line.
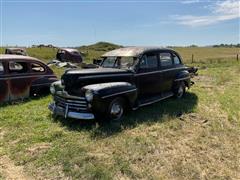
x=176, y=59
x=1, y=68
x=18, y=67
x=37, y=68
x=166, y=59
x=149, y=61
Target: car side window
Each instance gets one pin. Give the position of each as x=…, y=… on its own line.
x=149, y=61
x=165, y=59
x=37, y=68
x=1, y=68
x=176, y=59
x=18, y=67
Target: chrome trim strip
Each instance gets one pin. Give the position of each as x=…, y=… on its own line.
x=69, y=114
x=64, y=94
x=132, y=90
x=79, y=101
x=154, y=101
x=180, y=79
x=106, y=75
x=20, y=77
x=42, y=84
x=165, y=70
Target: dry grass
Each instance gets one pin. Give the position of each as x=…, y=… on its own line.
x=193, y=138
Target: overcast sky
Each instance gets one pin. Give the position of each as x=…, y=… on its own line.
x=133, y=22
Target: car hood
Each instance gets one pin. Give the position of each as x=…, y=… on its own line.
x=75, y=79
x=97, y=71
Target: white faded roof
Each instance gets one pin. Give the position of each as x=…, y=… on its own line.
x=70, y=49
x=130, y=51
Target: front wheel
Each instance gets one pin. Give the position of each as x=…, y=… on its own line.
x=116, y=110
x=179, y=90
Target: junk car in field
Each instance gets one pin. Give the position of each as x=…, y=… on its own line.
x=22, y=76
x=69, y=55
x=128, y=78
x=16, y=51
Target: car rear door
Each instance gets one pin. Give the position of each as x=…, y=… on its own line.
x=19, y=79
x=4, y=94
x=167, y=70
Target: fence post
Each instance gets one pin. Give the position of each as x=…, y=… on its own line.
x=192, y=58
x=237, y=58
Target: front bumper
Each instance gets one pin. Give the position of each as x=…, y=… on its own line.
x=64, y=112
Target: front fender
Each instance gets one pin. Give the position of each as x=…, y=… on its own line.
x=110, y=90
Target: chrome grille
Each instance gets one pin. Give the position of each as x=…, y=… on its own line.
x=79, y=104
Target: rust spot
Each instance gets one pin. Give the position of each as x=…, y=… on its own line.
x=19, y=86
x=3, y=90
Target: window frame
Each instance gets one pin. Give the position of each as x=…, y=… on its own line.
x=178, y=56
x=161, y=61
x=31, y=69
x=149, y=69
x=18, y=61
x=2, y=72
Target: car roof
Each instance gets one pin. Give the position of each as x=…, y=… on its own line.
x=69, y=49
x=16, y=48
x=133, y=51
x=17, y=57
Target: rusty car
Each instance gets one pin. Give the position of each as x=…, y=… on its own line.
x=16, y=51
x=23, y=76
x=128, y=78
x=69, y=55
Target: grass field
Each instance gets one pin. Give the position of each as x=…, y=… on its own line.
x=196, y=137
x=201, y=54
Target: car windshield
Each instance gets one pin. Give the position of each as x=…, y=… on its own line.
x=119, y=62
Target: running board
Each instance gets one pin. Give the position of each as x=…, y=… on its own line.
x=155, y=99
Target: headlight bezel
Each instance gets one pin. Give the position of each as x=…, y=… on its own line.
x=52, y=89
x=89, y=95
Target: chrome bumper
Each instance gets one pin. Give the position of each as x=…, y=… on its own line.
x=69, y=114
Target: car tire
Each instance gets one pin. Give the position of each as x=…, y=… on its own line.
x=116, y=110
x=179, y=90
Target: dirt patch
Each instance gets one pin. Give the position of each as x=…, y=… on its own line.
x=10, y=171
x=1, y=134
x=38, y=148
x=194, y=117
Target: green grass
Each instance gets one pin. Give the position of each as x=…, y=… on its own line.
x=201, y=54
x=193, y=138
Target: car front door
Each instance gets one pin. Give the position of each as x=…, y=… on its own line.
x=4, y=94
x=147, y=75
x=19, y=79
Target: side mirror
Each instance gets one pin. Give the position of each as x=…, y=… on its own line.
x=97, y=61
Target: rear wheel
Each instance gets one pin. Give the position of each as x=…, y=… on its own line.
x=179, y=90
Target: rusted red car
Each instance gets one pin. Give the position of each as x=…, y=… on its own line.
x=69, y=55
x=23, y=76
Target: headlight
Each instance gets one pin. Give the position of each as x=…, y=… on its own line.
x=52, y=89
x=89, y=95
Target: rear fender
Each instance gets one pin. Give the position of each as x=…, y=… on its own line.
x=183, y=76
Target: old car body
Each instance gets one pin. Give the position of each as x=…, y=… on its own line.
x=69, y=55
x=16, y=51
x=22, y=76
x=127, y=79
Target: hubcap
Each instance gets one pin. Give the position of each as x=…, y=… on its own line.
x=116, y=110
x=180, y=91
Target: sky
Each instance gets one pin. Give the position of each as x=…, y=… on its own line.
x=126, y=22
